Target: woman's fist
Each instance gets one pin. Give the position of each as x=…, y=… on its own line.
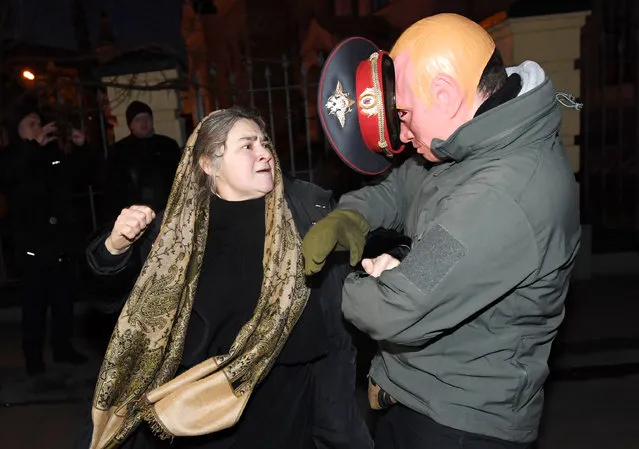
x=130, y=226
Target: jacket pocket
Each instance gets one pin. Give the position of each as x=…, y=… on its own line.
x=522, y=376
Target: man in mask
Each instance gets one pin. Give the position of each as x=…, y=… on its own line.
x=466, y=320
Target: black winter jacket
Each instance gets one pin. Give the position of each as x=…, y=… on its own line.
x=38, y=182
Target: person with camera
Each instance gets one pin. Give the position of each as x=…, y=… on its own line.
x=34, y=172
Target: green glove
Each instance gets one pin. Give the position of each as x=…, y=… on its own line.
x=341, y=230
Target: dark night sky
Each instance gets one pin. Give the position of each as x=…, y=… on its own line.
x=135, y=23
x=143, y=23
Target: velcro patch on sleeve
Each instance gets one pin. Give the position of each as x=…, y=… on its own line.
x=432, y=258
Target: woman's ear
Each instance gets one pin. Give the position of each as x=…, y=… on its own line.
x=206, y=165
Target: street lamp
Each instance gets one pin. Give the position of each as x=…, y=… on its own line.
x=27, y=74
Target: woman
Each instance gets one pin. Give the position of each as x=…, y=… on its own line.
x=261, y=354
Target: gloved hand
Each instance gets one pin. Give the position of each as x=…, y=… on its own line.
x=341, y=230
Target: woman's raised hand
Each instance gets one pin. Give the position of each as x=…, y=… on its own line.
x=129, y=227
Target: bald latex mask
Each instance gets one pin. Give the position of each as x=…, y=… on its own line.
x=438, y=64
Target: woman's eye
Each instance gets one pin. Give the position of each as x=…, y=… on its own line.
x=247, y=147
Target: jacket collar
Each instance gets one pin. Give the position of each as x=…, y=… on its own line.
x=532, y=115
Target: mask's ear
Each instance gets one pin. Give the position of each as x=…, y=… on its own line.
x=447, y=95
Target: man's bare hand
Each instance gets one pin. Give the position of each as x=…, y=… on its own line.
x=129, y=227
x=375, y=267
x=46, y=135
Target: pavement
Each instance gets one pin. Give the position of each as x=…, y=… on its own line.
x=592, y=396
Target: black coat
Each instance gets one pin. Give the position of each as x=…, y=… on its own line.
x=140, y=171
x=38, y=182
x=337, y=420
x=85, y=166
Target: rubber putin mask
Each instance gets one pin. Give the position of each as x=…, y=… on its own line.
x=438, y=64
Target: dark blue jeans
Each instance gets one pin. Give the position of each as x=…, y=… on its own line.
x=402, y=428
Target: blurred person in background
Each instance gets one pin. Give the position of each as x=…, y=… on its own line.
x=34, y=173
x=141, y=167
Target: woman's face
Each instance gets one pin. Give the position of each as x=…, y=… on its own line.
x=246, y=169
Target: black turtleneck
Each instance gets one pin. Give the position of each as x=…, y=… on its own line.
x=227, y=293
x=230, y=279
x=507, y=92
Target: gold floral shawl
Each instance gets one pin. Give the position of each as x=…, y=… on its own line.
x=136, y=381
